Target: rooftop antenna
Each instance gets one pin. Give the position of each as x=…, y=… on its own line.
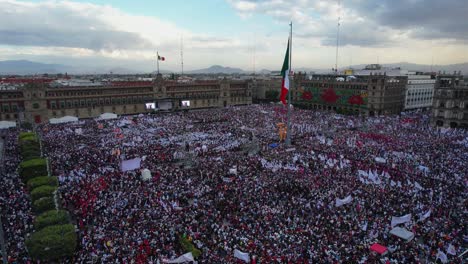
x=182, y=54
x=337, y=37
x=254, y=49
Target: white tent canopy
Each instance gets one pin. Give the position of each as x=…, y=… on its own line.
x=7, y=124
x=107, y=116
x=402, y=233
x=65, y=119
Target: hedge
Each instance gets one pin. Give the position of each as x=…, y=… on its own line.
x=42, y=191
x=30, y=154
x=52, y=243
x=30, y=150
x=53, y=217
x=43, y=204
x=28, y=136
x=30, y=145
x=44, y=180
x=187, y=246
x=32, y=168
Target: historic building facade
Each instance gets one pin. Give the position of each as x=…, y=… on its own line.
x=375, y=94
x=39, y=101
x=450, y=104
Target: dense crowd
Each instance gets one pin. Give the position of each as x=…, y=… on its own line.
x=15, y=205
x=221, y=180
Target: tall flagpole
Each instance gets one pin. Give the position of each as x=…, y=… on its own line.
x=288, y=128
x=157, y=60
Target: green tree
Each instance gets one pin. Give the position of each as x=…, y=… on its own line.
x=52, y=243
x=44, y=180
x=32, y=168
x=43, y=204
x=52, y=217
x=43, y=191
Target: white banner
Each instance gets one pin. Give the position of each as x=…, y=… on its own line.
x=242, y=256
x=233, y=171
x=187, y=257
x=400, y=220
x=346, y=200
x=380, y=160
x=130, y=164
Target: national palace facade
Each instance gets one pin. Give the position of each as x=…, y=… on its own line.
x=38, y=101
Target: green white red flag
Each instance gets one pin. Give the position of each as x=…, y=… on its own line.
x=285, y=73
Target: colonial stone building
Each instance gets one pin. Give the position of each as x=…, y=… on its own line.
x=450, y=104
x=39, y=101
x=375, y=94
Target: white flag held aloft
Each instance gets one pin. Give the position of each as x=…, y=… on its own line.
x=346, y=200
x=441, y=255
x=242, y=256
x=451, y=250
x=418, y=186
x=425, y=216
x=396, y=220
x=364, y=226
x=187, y=257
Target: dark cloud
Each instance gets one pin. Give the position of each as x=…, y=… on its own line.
x=428, y=19
x=418, y=19
x=62, y=25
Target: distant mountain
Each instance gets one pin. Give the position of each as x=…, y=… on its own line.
x=217, y=69
x=23, y=67
x=122, y=70
x=264, y=71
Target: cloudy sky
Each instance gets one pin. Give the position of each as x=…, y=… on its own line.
x=236, y=33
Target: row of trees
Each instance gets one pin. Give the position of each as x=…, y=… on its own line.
x=54, y=237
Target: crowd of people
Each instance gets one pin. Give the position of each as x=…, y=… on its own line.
x=221, y=179
x=15, y=204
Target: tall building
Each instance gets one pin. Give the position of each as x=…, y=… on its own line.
x=374, y=94
x=419, y=91
x=450, y=104
x=38, y=101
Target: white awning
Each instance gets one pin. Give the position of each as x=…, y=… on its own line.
x=107, y=116
x=7, y=124
x=65, y=119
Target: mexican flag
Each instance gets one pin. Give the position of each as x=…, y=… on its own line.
x=161, y=58
x=285, y=73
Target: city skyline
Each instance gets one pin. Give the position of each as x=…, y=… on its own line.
x=243, y=34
